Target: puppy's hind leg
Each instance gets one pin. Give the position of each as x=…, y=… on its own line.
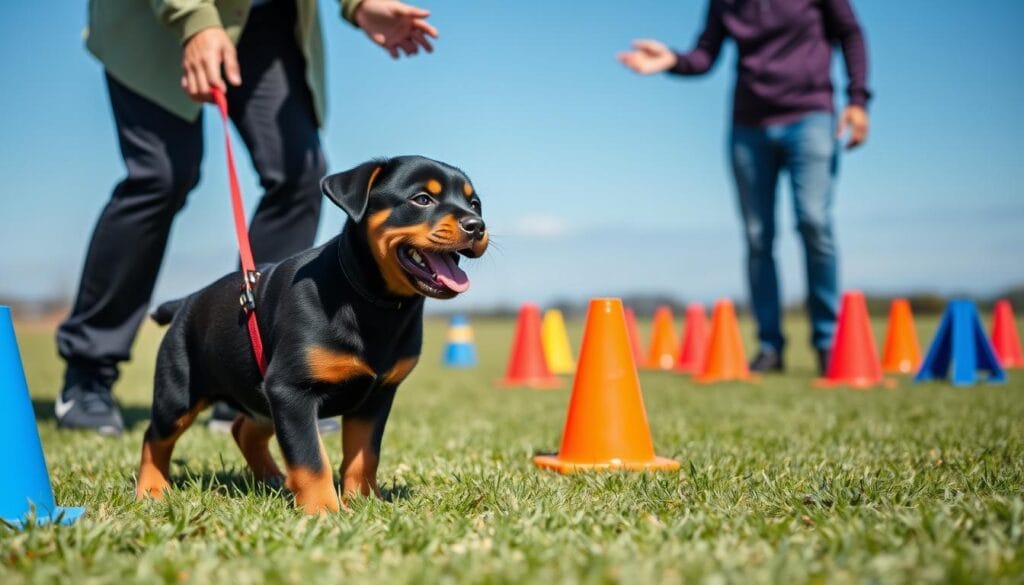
x=174, y=410
x=253, y=439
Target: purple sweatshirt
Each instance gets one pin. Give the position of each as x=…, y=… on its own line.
x=785, y=56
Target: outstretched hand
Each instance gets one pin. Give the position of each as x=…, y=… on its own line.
x=854, y=119
x=396, y=26
x=648, y=57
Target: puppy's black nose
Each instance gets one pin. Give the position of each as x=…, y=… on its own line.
x=473, y=226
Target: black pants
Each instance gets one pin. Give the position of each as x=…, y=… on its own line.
x=273, y=112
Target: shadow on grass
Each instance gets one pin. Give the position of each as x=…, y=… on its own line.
x=132, y=415
x=235, y=482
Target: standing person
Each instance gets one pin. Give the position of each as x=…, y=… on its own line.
x=161, y=59
x=782, y=121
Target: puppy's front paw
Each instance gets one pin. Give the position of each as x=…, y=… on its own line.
x=314, y=490
x=150, y=487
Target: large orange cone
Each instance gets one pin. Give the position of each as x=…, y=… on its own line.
x=1005, y=340
x=695, y=341
x=662, y=353
x=557, y=350
x=635, y=342
x=902, y=352
x=607, y=425
x=725, y=359
x=526, y=364
x=854, y=360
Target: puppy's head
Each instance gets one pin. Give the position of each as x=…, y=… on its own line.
x=418, y=216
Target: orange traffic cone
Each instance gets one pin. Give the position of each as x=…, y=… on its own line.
x=634, y=337
x=1005, y=340
x=662, y=352
x=526, y=364
x=854, y=361
x=606, y=427
x=725, y=359
x=695, y=341
x=901, y=353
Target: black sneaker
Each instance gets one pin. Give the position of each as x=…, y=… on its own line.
x=86, y=402
x=224, y=415
x=824, y=355
x=767, y=360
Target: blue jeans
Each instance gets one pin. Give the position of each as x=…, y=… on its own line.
x=808, y=150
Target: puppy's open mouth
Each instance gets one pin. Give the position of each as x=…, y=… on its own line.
x=435, y=273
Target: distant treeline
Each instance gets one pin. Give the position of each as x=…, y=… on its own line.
x=642, y=304
x=645, y=304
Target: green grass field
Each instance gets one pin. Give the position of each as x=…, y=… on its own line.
x=779, y=483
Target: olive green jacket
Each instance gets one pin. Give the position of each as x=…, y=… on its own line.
x=140, y=43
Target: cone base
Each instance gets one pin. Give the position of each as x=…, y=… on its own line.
x=899, y=370
x=856, y=383
x=59, y=515
x=532, y=383
x=1014, y=364
x=751, y=378
x=553, y=463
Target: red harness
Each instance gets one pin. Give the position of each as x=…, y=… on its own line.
x=249, y=274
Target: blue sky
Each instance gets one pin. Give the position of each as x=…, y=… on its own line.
x=595, y=181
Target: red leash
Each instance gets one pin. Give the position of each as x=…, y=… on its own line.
x=249, y=274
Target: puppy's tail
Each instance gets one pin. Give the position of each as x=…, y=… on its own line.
x=165, y=312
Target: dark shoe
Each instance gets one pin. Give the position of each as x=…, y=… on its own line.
x=86, y=402
x=222, y=418
x=767, y=360
x=224, y=415
x=824, y=355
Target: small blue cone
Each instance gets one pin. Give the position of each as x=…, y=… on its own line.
x=960, y=342
x=460, y=351
x=25, y=492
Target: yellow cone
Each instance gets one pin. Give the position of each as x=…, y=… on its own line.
x=556, y=343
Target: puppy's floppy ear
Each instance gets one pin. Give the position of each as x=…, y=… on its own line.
x=351, y=190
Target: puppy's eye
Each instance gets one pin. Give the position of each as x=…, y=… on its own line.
x=475, y=204
x=422, y=199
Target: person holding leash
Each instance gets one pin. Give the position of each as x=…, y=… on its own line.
x=161, y=60
x=782, y=121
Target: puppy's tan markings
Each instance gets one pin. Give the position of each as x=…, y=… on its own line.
x=154, y=470
x=373, y=177
x=384, y=244
x=467, y=189
x=253, y=439
x=334, y=367
x=446, y=232
x=400, y=371
x=359, y=464
x=314, y=488
x=434, y=187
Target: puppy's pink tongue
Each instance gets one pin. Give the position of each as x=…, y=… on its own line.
x=448, y=272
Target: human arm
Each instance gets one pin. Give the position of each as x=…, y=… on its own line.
x=842, y=25
x=392, y=25
x=649, y=56
x=206, y=48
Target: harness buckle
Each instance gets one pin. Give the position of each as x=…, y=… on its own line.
x=247, y=299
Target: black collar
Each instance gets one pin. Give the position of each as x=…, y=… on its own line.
x=355, y=275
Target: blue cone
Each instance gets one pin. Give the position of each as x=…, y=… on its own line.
x=961, y=343
x=460, y=351
x=25, y=491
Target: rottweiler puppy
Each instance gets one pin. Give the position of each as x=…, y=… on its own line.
x=342, y=326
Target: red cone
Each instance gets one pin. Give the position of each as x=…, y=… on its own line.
x=526, y=364
x=854, y=359
x=695, y=341
x=1005, y=340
